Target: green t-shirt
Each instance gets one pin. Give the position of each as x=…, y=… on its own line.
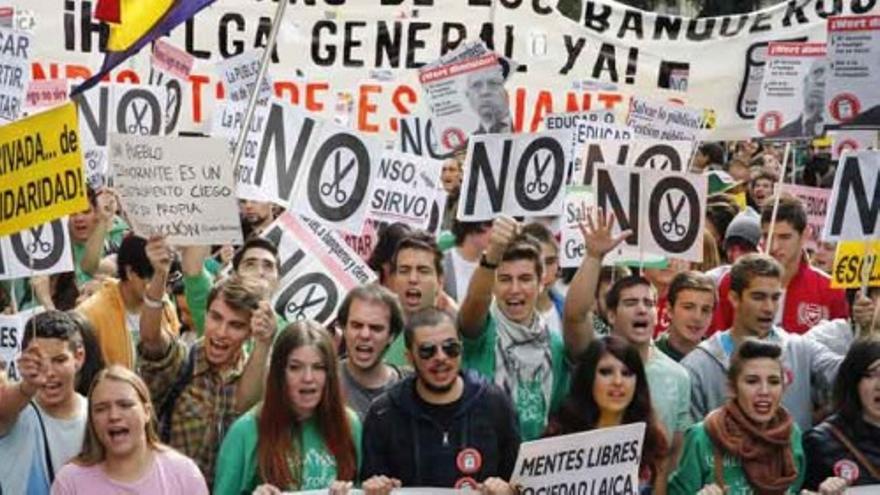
x=395, y=355
x=532, y=411
x=670, y=386
x=237, y=471
x=696, y=468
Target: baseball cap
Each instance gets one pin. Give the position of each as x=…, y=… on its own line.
x=745, y=226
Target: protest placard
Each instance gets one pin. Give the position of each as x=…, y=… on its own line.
x=851, y=140
x=578, y=201
x=12, y=329
x=41, y=174
x=514, y=174
x=792, y=95
x=665, y=121
x=852, y=95
x=41, y=250
x=665, y=210
x=854, y=207
x=316, y=268
x=404, y=189
x=45, y=93
x=585, y=127
x=855, y=260
x=815, y=200
x=639, y=153
x=15, y=54
x=180, y=187
x=416, y=135
x=168, y=58
x=604, y=460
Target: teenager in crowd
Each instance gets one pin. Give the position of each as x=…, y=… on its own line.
x=115, y=310
x=122, y=452
x=607, y=276
x=609, y=388
x=660, y=279
x=370, y=318
x=389, y=236
x=202, y=389
x=94, y=230
x=750, y=444
x=505, y=337
x=741, y=237
x=847, y=444
x=632, y=314
x=42, y=418
x=439, y=427
x=809, y=297
x=761, y=188
x=301, y=436
x=460, y=262
x=755, y=293
x=691, y=300
x=550, y=302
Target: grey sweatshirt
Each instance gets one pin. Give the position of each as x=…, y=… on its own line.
x=808, y=364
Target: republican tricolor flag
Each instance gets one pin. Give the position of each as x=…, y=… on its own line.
x=134, y=23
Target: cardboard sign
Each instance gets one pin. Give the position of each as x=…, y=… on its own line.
x=15, y=54
x=45, y=93
x=514, y=174
x=665, y=210
x=585, y=127
x=316, y=269
x=853, y=261
x=852, y=97
x=41, y=174
x=41, y=250
x=793, y=92
x=404, y=189
x=416, y=135
x=168, y=58
x=12, y=329
x=851, y=140
x=854, y=208
x=181, y=187
x=578, y=201
x=605, y=460
x=640, y=153
x=815, y=200
x=658, y=120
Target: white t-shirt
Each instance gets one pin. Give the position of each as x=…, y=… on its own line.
x=23, y=467
x=464, y=270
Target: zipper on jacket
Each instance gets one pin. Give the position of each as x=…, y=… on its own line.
x=446, y=438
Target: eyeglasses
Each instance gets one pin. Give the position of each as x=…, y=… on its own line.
x=451, y=348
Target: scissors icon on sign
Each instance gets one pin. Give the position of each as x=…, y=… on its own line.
x=298, y=311
x=38, y=244
x=339, y=173
x=538, y=185
x=672, y=224
x=138, y=127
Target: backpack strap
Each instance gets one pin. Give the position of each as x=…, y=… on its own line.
x=166, y=410
x=49, y=467
x=875, y=472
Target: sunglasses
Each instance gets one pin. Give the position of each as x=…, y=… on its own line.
x=451, y=348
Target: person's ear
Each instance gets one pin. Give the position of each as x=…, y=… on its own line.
x=79, y=356
x=729, y=389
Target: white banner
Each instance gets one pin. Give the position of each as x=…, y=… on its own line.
x=640, y=153
x=843, y=141
x=404, y=189
x=180, y=187
x=852, y=99
x=793, y=91
x=41, y=250
x=604, y=460
x=854, y=207
x=15, y=54
x=653, y=119
x=585, y=127
x=316, y=268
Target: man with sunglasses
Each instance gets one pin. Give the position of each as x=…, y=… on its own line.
x=440, y=427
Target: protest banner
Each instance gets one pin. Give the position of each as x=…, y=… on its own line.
x=15, y=53
x=417, y=136
x=41, y=250
x=12, y=329
x=792, y=95
x=585, y=127
x=316, y=268
x=578, y=201
x=854, y=262
x=654, y=119
x=180, y=187
x=665, y=210
x=604, y=460
x=404, y=189
x=852, y=96
x=815, y=200
x=364, y=243
x=44, y=94
x=41, y=174
x=854, y=207
x=851, y=140
x=168, y=58
x=514, y=174
x=640, y=153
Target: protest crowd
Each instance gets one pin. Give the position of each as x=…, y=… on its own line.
x=654, y=298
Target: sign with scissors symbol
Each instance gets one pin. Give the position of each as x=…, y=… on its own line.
x=671, y=225
x=37, y=244
x=138, y=127
x=339, y=174
x=538, y=185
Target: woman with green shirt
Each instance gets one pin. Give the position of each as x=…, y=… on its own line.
x=301, y=437
x=751, y=444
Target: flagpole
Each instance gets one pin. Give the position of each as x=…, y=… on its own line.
x=777, y=191
x=261, y=74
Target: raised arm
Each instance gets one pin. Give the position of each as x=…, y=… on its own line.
x=475, y=307
x=580, y=300
x=14, y=397
x=250, y=387
x=106, y=205
x=154, y=341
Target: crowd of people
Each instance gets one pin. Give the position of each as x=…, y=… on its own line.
x=165, y=369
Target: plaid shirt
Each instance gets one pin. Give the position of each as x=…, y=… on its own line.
x=204, y=409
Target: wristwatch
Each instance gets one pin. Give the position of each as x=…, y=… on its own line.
x=485, y=263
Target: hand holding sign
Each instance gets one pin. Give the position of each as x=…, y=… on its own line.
x=33, y=369
x=159, y=253
x=597, y=234
x=863, y=313
x=263, y=323
x=108, y=204
x=496, y=486
x=380, y=485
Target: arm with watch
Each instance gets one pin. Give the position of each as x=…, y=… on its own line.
x=475, y=307
x=154, y=342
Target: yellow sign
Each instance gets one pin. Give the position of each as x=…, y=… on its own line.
x=852, y=257
x=41, y=173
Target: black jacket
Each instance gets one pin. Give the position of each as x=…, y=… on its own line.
x=823, y=450
x=402, y=440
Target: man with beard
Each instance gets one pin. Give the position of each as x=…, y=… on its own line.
x=370, y=318
x=810, y=122
x=439, y=427
x=256, y=216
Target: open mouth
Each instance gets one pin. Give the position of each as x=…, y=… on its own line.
x=515, y=304
x=763, y=406
x=363, y=351
x=118, y=433
x=641, y=325
x=308, y=392
x=52, y=387
x=412, y=297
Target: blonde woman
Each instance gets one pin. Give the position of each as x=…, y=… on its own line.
x=121, y=452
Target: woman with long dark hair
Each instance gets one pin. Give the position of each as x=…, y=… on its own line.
x=750, y=444
x=121, y=452
x=301, y=437
x=609, y=388
x=94, y=360
x=847, y=444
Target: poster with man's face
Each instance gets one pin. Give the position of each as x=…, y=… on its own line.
x=853, y=95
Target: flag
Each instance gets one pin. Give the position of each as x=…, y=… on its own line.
x=133, y=24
